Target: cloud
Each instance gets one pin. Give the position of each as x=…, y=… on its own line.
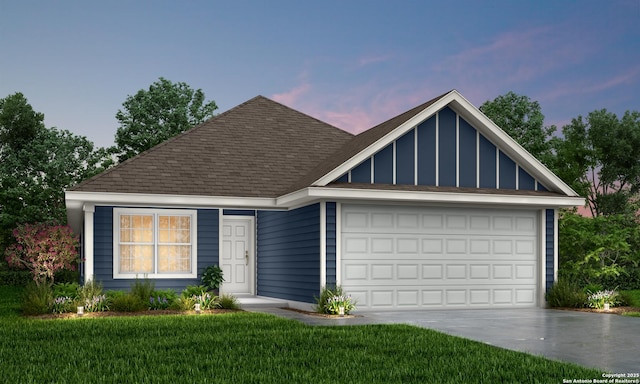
x=367, y=60
x=292, y=97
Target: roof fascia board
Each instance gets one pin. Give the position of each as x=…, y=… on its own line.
x=508, y=145
x=386, y=139
x=311, y=194
x=148, y=200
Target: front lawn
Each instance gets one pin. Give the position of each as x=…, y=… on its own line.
x=247, y=347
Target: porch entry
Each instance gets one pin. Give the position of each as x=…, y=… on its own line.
x=237, y=258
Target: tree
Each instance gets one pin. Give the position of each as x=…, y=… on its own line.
x=523, y=120
x=600, y=158
x=157, y=114
x=44, y=250
x=37, y=164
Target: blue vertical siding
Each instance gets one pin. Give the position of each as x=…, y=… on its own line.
x=507, y=172
x=549, y=232
x=289, y=253
x=487, y=163
x=343, y=179
x=447, y=148
x=525, y=180
x=331, y=244
x=427, y=152
x=405, y=154
x=362, y=173
x=383, y=166
x=207, y=240
x=467, y=155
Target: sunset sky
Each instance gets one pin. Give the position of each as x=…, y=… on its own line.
x=353, y=64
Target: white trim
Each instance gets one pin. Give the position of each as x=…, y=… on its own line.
x=497, y=167
x=415, y=156
x=437, y=149
x=323, y=244
x=477, y=120
x=338, y=242
x=193, y=214
x=517, y=176
x=394, y=165
x=311, y=194
x=457, y=150
x=372, y=170
x=87, y=239
x=477, y=159
x=542, y=244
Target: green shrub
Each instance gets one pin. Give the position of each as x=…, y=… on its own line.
x=564, y=293
x=212, y=277
x=193, y=290
x=598, y=299
x=228, y=301
x=66, y=290
x=36, y=300
x=92, y=298
x=62, y=304
x=630, y=298
x=143, y=289
x=162, y=298
x=184, y=303
x=331, y=299
x=593, y=287
x=15, y=278
x=127, y=302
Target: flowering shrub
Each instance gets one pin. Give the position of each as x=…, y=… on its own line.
x=599, y=299
x=43, y=249
x=206, y=300
x=96, y=304
x=158, y=302
x=334, y=304
x=62, y=304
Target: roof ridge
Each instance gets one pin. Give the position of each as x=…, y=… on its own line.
x=306, y=114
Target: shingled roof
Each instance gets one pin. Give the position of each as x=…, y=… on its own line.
x=257, y=149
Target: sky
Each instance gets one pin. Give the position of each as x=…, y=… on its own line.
x=353, y=64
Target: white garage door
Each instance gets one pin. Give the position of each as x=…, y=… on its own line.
x=396, y=257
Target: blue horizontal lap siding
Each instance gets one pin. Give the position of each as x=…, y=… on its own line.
x=289, y=253
x=207, y=238
x=331, y=244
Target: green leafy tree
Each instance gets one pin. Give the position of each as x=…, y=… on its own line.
x=36, y=165
x=152, y=116
x=599, y=157
x=523, y=120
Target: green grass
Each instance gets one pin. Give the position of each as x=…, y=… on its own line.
x=632, y=297
x=247, y=347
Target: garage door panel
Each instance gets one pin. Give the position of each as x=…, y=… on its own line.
x=395, y=257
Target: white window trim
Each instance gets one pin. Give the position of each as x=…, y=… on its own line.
x=155, y=212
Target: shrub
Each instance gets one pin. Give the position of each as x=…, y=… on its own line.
x=36, y=299
x=227, y=301
x=66, y=290
x=212, y=277
x=15, y=278
x=207, y=300
x=127, y=302
x=62, y=304
x=91, y=296
x=598, y=299
x=162, y=298
x=184, y=303
x=630, y=298
x=193, y=290
x=564, y=293
x=143, y=289
x=43, y=249
x=332, y=298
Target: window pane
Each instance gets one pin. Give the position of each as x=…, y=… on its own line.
x=136, y=259
x=174, y=258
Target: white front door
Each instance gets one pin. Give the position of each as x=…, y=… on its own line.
x=237, y=254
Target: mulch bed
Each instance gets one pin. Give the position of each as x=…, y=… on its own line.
x=165, y=312
x=614, y=310
x=317, y=314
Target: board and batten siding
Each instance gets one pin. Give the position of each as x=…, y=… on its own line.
x=446, y=151
x=288, y=244
x=207, y=238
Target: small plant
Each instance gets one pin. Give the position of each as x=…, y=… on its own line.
x=598, y=299
x=143, y=289
x=228, y=302
x=62, y=304
x=66, y=290
x=184, y=303
x=193, y=290
x=127, y=302
x=565, y=294
x=92, y=298
x=331, y=299
x=36, y=299
x=206, y=300
x=158, y=302
x=212, y=277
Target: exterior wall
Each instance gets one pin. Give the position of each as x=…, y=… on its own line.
x=550, y=246
x=447, y=151
x=207, y=239
x=288, y=245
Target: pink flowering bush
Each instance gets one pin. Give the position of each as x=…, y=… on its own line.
x=44, y=249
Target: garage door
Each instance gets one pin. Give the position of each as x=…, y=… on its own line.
x=396, y=257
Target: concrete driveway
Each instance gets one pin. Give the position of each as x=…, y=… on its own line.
x=604, y=341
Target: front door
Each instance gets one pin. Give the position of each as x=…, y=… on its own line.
x=237, y=255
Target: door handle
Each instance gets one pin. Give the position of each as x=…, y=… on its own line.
x=246, y=257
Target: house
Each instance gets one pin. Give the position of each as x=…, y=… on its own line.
x=435, y=208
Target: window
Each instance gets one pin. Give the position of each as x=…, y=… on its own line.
x=157, y=243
